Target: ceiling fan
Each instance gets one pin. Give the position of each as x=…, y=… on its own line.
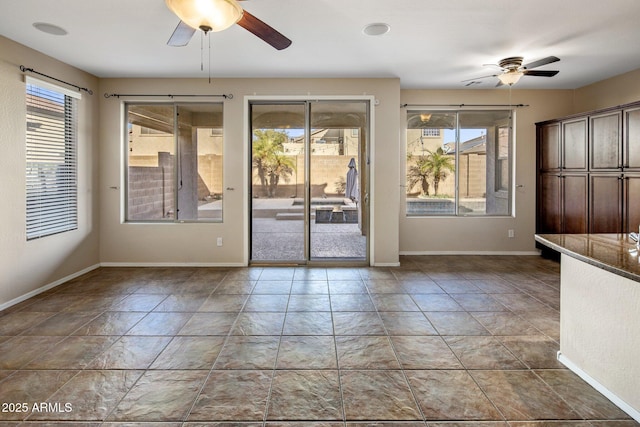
x=513, y=70
x=218, y=15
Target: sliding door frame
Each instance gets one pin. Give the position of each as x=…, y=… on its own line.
x=368, y=161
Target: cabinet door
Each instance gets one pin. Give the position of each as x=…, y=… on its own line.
x=574, y=144
x=549, y=146
x=606, y=141
x=575, y=211
x=549, y=206
x=631, y=203
x=632, y=139
x=605, y=204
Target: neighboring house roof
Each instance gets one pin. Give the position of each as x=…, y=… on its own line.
x=476, y=145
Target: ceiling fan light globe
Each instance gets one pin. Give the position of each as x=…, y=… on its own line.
x=215, y=14
x=510, y=78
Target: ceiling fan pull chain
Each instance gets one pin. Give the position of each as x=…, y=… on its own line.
x=201, y=53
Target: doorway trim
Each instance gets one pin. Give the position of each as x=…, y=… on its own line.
x=246, y=154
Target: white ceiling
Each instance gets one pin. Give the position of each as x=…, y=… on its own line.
x=432, y=43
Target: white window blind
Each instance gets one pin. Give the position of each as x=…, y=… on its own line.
x=51, y=154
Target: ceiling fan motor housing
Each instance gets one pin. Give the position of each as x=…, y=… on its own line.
x=512, y=63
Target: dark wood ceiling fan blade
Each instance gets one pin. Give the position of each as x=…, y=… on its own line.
x=181, y=35
x=478, y=78
x=263, y=31
x=541, y=73
x=541, y=62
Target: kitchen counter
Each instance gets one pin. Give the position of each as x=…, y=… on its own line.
x=616, y=253
x=600, y=312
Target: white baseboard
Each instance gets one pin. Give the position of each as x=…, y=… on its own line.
x=386, y=264
x=500, y=253
x=47, y=287
x=633, y=413
x=170, y=264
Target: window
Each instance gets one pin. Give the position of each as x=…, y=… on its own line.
x=174, y=162
x=51, y=167
x=464, y=167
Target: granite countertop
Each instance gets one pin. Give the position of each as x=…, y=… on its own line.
x=616, y=253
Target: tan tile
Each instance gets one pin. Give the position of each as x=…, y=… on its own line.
x=358, y=323
x=436, y=302
x=352, y=302
x=478, y=302
x=272, y=287
x=309, y=287
x=583, y=398
x=536, y=351
x=478, y=352
x=407, y=323
x=139, y=302
x=208, y=324
x=72, y=353
x=62, y=324
x=160, y=396
x=455, y=323
x=258, y=323
x=18, y=322
x=111, y=323
x=429, y=352
x=505, y=323
x=90, y=395
x=305, y=395
x=233, y=395
x=451, y=395
x=274, y=303
x=308, y=323
x=130, y=352
x=188, y=302
x=18, y=351
x=521, y=395
x=309, y=302
x=307, y=352
x=189, y=353
x=248, y=352
x=29, y=387
x=160, y=324
x=347, y=287
x=377, y=395
x=234, y=287
x=224, y=303
x=365, y=352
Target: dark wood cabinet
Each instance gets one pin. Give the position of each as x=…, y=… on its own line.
x=632, y=139
x=574, y=145
x=565, y=198
x=549, y=146
x=631, y=203
x=575, y=196
x=605, y=203
x=605, y=138
x=589, y=172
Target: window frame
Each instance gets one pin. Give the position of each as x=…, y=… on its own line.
x=51, y=196
x=499, y=191
x=176, y=161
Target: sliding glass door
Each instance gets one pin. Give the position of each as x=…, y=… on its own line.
x=309, y=181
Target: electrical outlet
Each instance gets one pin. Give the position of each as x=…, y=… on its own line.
x=511, y=233
x=219, y=241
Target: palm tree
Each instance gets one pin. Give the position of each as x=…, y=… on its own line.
x=419, y=173
x=440, y=164
x=269, y=160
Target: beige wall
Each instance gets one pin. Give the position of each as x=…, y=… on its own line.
x=486, y=234
x=28, y=266
x=618, y=90
x=196, y=243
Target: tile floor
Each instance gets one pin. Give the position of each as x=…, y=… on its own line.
x=440, y=341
